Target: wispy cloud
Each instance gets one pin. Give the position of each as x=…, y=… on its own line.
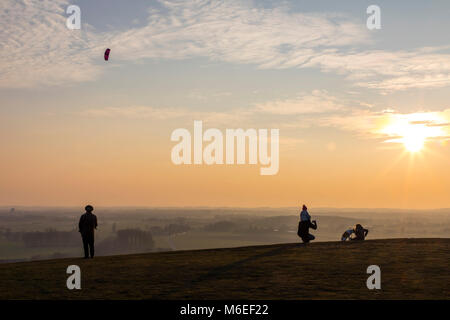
x=182, y=114
x=318, y=101
x=136, y=112
x=37, y=48
x=238, y=32
x=202, y=96
x=392, y=126
x=315, y=109
x=306, y=103
x=390, y=71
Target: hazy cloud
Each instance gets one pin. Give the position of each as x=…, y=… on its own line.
x=147, y=112
x=37, y=48
x=318, y=101
x=315, y=102
x=390, y=71
x=238, y=32
x=391, y=125
x=136, y=112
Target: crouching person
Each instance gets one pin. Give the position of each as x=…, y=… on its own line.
x=360, y=232
x=356, y=233
x=304, y=225
x=347, y=235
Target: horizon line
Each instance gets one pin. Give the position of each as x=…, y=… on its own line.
x=217, y=207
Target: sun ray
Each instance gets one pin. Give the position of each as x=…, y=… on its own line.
x=413, y=130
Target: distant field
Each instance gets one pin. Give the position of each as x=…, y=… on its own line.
x=410, y=269
x=197, y=239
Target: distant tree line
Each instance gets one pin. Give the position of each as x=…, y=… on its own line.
x=221, y=226
x=170, y=229
x=127, y=241
x=48, y=238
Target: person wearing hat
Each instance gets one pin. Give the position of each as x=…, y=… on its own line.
x=304, y=225
x=86, y=226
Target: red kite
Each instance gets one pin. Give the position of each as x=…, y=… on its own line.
x=107, y=54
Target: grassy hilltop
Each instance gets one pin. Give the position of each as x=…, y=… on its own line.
x=410, y=269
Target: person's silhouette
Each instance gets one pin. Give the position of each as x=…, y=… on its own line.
x=360, y=232
x=86, y=226
x=304, y=225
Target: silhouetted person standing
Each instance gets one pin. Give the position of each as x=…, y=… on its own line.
x=86, y=226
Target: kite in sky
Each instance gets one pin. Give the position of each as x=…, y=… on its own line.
x=107, y=54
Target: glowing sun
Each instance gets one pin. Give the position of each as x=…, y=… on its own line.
x=413, y=142
x=413, y=130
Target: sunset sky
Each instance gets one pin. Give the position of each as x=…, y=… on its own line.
x=364, y=115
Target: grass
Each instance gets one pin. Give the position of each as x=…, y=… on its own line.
x=15, y=250
x=410, y=269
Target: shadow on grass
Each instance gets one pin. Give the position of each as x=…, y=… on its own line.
x=216, y=272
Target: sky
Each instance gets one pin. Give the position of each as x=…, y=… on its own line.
x=363, y=115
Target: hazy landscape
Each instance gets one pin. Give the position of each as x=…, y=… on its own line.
x=50, y=233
